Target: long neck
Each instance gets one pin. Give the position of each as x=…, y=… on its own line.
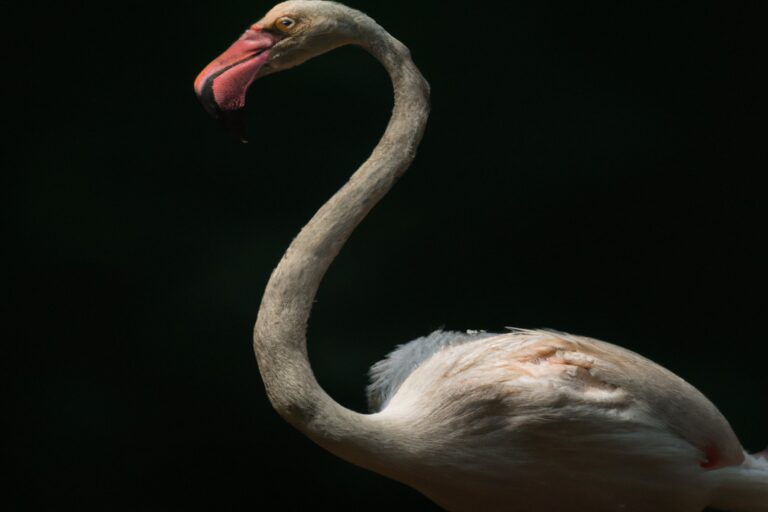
x=280, y=332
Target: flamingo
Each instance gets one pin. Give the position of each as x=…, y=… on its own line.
x=528, y=420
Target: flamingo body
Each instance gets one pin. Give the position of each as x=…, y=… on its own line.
x=535, y=420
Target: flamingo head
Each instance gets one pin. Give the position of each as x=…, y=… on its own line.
x=289, y=35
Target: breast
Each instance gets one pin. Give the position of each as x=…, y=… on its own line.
x=530, y=376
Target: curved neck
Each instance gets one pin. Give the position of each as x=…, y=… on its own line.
x=280, y=332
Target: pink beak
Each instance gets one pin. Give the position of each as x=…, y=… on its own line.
x=223, y=84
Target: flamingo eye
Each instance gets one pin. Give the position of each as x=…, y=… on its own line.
x=285, y=24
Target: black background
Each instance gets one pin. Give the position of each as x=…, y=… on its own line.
x=591, y=167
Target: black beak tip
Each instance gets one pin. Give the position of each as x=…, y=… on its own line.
x=233, y=121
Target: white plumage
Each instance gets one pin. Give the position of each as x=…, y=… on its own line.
x=540, y=419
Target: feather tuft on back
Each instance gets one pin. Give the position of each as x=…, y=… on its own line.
x=388, y=375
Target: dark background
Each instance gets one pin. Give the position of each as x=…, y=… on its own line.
x=592, y=168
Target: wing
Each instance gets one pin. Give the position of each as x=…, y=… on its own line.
x=557, y=377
